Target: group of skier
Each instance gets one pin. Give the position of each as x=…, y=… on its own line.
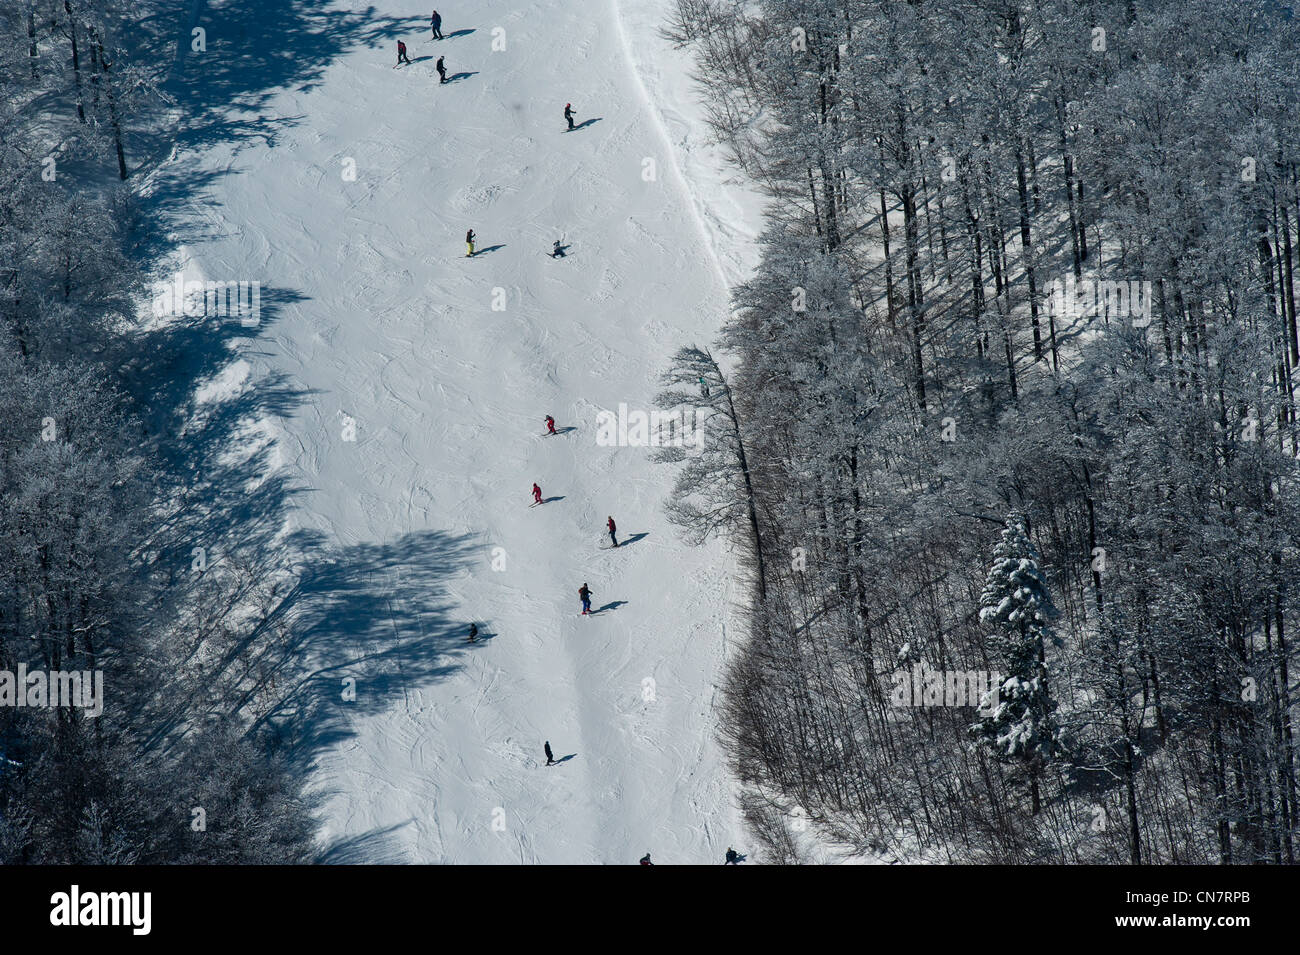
x=557, y=250
x=537, y=499
x=584, y=592
x=435, y=24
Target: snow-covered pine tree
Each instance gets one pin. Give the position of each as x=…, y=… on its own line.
x=1017, y=605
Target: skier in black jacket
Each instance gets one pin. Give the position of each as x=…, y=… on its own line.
x=568, y=113
x=549, y=758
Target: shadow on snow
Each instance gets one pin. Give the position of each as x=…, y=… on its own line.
x=376, y=612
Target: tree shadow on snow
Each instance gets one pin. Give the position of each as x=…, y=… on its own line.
x=376, y=614
x=377, y=847
x=262, y=49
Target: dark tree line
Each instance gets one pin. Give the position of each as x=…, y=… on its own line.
x=908, y=386
x=97, y=567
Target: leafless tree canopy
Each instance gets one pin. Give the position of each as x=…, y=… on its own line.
x=1028, y=271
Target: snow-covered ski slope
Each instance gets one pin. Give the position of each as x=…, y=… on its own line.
x=390, y=333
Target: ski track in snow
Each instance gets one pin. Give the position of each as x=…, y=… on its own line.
x=394, y=328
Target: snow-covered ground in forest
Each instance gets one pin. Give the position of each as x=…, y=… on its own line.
x=422, y=379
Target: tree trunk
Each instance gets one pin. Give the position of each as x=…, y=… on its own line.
x=76, y=59
x=1027, y=246
x=105, y=66
x=914, y=294
x=32, y=54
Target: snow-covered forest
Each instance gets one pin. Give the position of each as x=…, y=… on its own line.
x=105, y=490
x=1016, y=388
x=561, y=433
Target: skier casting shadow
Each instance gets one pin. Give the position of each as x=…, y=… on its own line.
x=550, y=757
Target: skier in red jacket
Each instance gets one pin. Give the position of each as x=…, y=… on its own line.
x=401, y=54
x=537, y=494
x=550, y=425
x=612, y=528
